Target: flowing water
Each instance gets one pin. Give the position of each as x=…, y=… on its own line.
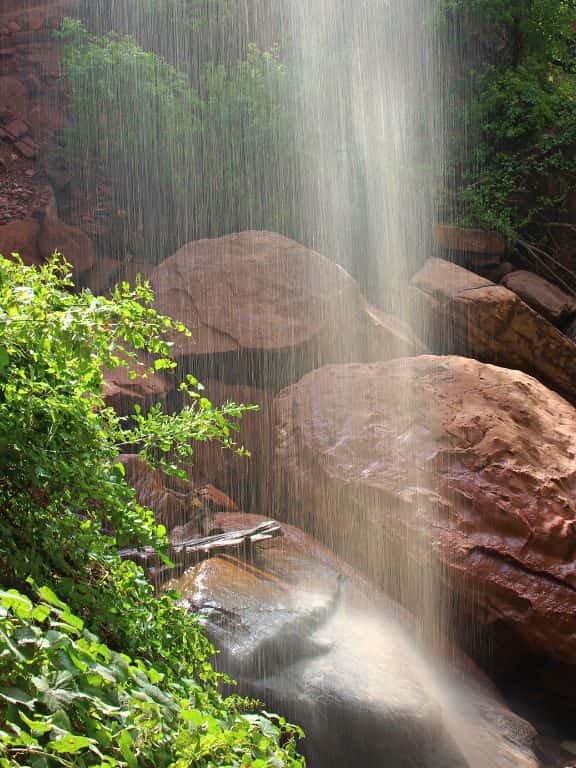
x=352, y=172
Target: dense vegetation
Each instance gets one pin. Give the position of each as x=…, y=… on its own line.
x=193, y=155
x=513, y=148
x=95, y=670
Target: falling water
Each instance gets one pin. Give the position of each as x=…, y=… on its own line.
x=355, y=178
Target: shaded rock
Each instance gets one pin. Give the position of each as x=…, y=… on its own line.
x=386, y=336
x=543, y=296
x=16, y=128
x=246, y=479
x=27, y=148
x=261, y=293
x=14, y=96
x=72, y=242
x=21, y=237
x=123, y=392
x=294, y=626
x=467, y=314
x=472, y=463
x=469, y=240
x=175, y=502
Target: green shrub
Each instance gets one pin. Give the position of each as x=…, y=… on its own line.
x=65, y=508
x=182, y=163
x=66, y=699
x=514, y=139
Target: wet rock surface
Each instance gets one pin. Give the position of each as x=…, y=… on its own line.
x=469, y=461
x=262, y=292
x=468, y=314
x=293, y=623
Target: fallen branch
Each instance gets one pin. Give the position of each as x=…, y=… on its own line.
x=192, y=551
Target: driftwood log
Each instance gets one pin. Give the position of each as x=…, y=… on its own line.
x=191, y=551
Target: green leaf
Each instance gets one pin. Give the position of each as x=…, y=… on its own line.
x=71, y=744
x=49, y=596
x=4, y=359
x=17, y=696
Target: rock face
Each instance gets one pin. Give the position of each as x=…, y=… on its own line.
x=123, y=393
x=467, y=314
x=246, y=479
x=293, y=625
x=544, y=297
x=186, y=509
x=473, y=463
x=469, y=240
x=262, y=293
x=72, y=242
x=21, y=237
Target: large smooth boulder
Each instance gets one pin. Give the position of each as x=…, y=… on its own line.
x=468, y=463
x=468, y=314
x=295, y=626
x=258, y=294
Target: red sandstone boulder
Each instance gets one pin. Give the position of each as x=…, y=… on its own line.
x=296, y=626
x=14, y=96
x=444, y=455
x=544, y=297
x=21, y=237
x=71, y=242
x=260, y=292
x=470, y=315
x=469, y=240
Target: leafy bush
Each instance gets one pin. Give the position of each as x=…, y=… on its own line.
x=69, y=700
x=65, y=510
x=513, y=145
x=193, y=157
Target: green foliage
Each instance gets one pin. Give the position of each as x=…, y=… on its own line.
x=65, y=510
x=516, y=164
x=168, y=147
x=67, y=699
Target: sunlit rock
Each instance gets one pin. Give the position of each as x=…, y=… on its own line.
x=294, y=625
x=469, y=462
x=468, y=314
x=259, y=293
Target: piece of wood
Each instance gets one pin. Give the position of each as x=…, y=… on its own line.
x=194, y=550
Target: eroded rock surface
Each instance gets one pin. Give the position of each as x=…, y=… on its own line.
x=472, y=462
x=294, y=626
x=470, y=315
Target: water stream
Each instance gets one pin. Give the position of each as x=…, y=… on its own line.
x=367, y=121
